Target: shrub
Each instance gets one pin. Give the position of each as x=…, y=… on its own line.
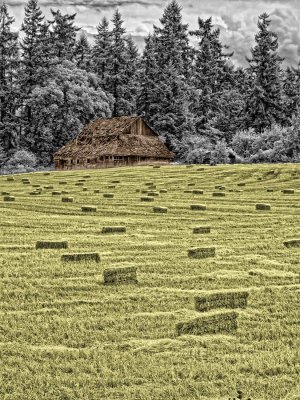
x=22, y=159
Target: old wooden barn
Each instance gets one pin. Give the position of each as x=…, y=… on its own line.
x=109, y=142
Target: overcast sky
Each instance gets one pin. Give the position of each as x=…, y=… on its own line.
x=237, y=19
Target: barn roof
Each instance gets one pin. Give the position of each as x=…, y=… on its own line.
x=111, y=136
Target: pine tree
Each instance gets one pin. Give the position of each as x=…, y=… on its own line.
x=210, y=76
x=265, y=98
x=102, y=52
x=118, y=80
x=63, y=36
x=32, y=72
x=291, y=87
x=165, y=68
x=82, y=53
x=132, y=74
x=9, y=63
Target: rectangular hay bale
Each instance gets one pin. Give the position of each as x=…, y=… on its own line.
x=120, y=275
x=288, y=191
x=89, y=209
x=113, y=229
x=41, y=244
x=198, y=207
x=160, y=210
x=67, y=199
x=263, y=207
x=147, y=199
x=201, y=252
x=201, y=229
x=292, y=243
x=219, y=194
x=211, y=323
x=211, y=301
x=198, y=191
x=8, y=198
x=108, y=195
x=81, y=257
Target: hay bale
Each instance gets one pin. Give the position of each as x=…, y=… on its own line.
x=154, y=194
x=241, y=184
x=62, y=182
x=41, y=244
x=113, y=229
x=198, y=191
x=187, y=191
x=201, y=229
x=147, y=199
x=115, y=181
x=191, y=184
x=263, y=207
x=220, y=187
x=81, y=257
x=137, y=190
x=10, y=179
x=189, y=166
x=46, y=173
x=160, y=210
x=5, y=193
x=79, y=184
x=89, y=209
x=35, y=193
x=26, y=182
x=198, y=207
x=120, y=275
x=219, y=194
x=200, y=169
x=49, y=187
x=36, y=186
x=163, y=191
x=156, y=166
x=9, y=198
x=149, y=183
x=211, y=301
x=25, y=179
x=292, y=243
x=108, y=195
x=86, y=176
x=211, y=323
x=64, y=192
x=111, y=187
x=67, y=199
x=270, y=190
x=56, y=193
x=201, y=252
x=85, y=189
x=97, y=191
x=81, y=180
x=288, y=191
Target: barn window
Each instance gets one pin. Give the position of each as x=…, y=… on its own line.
x=78, y=161
x=88, y=160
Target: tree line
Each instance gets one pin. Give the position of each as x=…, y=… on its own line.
x=206, y=109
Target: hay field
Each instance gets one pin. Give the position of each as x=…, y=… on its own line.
x=66, y=335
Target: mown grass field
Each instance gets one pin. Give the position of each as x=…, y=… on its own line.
x=65, y=335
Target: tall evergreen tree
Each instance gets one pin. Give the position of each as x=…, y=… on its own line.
x=63, y=36
x=82, y=52
x=265, y=98
x=118, y=82
x=9, y=63
x=102, y=52
x=291, y=87
x=166, y=66
x=32, y=61
x=211, y=76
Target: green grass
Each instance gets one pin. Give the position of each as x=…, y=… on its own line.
x=65, y=335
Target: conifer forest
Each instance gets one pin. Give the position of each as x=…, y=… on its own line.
x=53, y=81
